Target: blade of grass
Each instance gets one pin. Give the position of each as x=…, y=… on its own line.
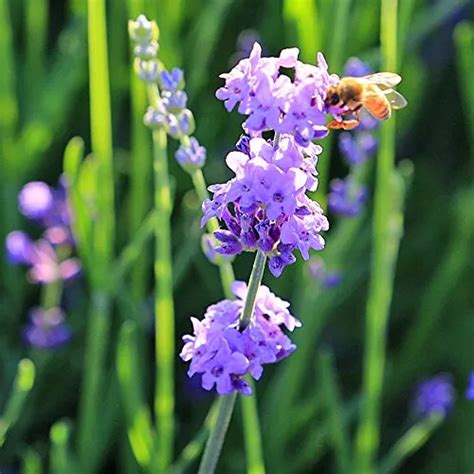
x=302, y=18
x=61, y=461
x=409, y=443
x=332, y=399
x=31, y=462
x=194, y=448
x=103, y=240
x=464, y=38
x=101, y=134
x=138, y=419
x=22, y=386
x=36, y=25
x=387, y=230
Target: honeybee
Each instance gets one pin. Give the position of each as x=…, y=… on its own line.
x=375, y=93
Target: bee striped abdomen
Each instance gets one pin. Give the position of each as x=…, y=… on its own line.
x=378, y=105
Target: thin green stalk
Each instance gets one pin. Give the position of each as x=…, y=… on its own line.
x=385, y=248
x=336, y=423
x=51, y=294
x=164, y=308
x=252, y=437
x=140, y=183
x=101, y=133
x=104, y=232
x=253, y=286
x=22, y=386
x=36, y=22
x=131, y=253
x=409, y=443
x=97, y=338
x=217, y=435
x=194, y=448
x=216, y=439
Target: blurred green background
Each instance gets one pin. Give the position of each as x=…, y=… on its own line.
x=44, y=99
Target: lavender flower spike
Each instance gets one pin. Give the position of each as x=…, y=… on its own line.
x=191, y=156
x=435, y=395
x=470, y=387
x=46, y=329
x=223, y=354
x=346, y=198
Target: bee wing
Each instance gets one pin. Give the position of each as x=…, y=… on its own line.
x=397, y=101
x=385, y=80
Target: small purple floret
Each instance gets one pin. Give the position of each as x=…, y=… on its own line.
x=470, y=387
x=191, y=157
x=46, y=329
x=20, y=249
x=35, y=200
x=346, y=198
x=434, y=396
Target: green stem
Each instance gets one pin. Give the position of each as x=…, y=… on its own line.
x=216, y=439
x=253, y=286
x=409, y=443
x=96, y=343
x=51, y=294
x=101, y=134
x=383, y=261
x=252, y=437
x=140, y=182
x=217, y=436
x=164, y=308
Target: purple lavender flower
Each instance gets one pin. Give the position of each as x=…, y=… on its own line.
x=46, y=329
x=172, y=80
x=35, y=200
x=358, y=147
x=346, y=198
x=20, y=250
x=435, y=395
x=470, y=387
x=265, y=206
x=191, y=157
x=224, y=353
x=318, y=271
x=271, y=100
x=355, y=67
x=46, y=268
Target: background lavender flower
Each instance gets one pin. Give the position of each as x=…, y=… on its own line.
x=19, y=248
x=346, y=198
x=470, y=387
x=434, y=396
x=46, y=329
x=191, y=156
x=35, y=200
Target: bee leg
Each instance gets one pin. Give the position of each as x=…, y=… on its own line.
x=345, y=124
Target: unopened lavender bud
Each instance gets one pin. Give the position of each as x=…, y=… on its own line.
x=155, y=117
x=143, y=30
x=191, y=156
x=174, y=102
x=186, y=122
x=146, y=51
x=146, y=70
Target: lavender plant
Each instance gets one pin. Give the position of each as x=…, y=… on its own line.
x=49, y=260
